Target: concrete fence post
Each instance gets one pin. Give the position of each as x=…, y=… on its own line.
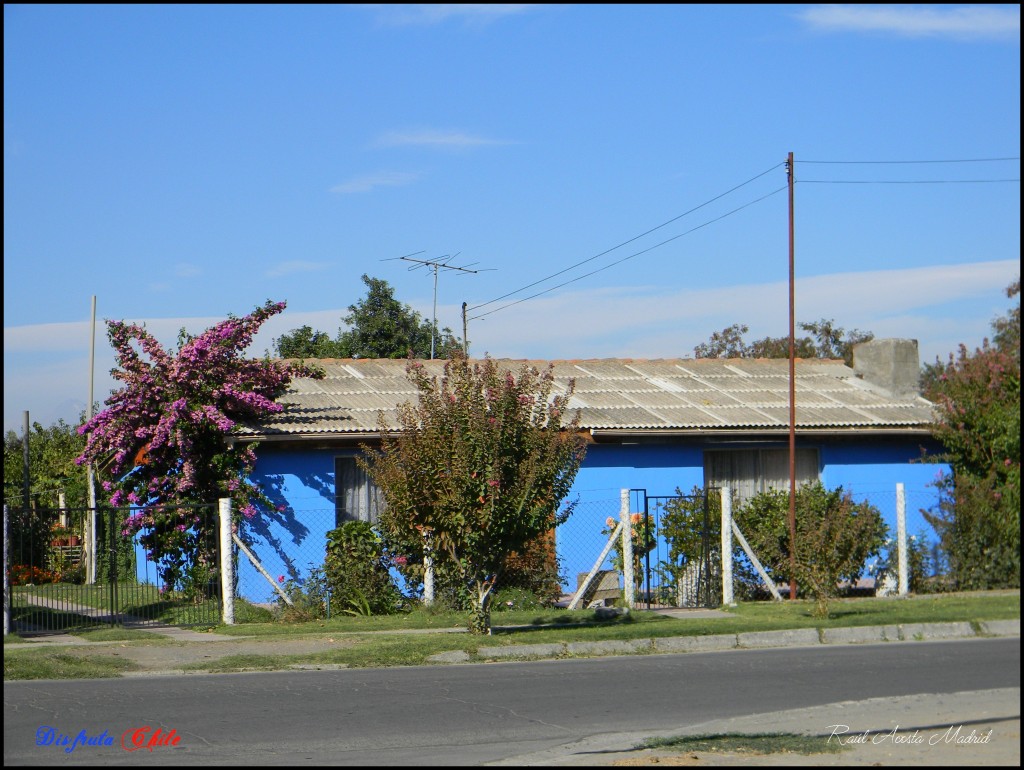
x=428, y=580
x=628, y=578
x=428, y=572
x=728, y=599
x=227, y=563
x=901, y=539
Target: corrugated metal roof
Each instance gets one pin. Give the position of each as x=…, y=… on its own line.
x=617, y=394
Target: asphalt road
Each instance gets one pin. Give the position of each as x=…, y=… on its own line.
x=469, y=714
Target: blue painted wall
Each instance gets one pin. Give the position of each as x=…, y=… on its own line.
x=302, y=482
x=291, y=541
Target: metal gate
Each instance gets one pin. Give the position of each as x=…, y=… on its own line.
x=679, y=548
x=53, y=588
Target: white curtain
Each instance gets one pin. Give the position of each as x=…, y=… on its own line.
x=357, y=497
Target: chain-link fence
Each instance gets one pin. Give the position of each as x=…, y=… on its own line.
x=676, y=547
x=290, y=546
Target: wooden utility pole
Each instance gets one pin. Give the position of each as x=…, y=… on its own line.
x=792, y=393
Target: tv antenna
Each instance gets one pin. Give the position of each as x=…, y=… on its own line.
x=436, y=265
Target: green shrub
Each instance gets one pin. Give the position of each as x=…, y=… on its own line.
x=920, y=564
x=835, y=537
x=508, y=599
x=308, y=597
x=357, y=572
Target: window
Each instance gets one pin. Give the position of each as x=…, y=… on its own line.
x=750, y=471
x=356, y=497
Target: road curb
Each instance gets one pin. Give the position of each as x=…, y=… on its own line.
x=801, y=637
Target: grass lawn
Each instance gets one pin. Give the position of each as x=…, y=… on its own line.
x=385, y=641
x=54, y=606
x=582, y=625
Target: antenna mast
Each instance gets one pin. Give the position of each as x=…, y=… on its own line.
x=436, y=265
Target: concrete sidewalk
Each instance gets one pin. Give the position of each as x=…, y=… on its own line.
x=801, y=637
x=975, y=728
x=193, y=650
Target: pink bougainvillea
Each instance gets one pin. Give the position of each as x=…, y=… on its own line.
x=163, y=437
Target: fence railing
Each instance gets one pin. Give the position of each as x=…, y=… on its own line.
x=47, y=586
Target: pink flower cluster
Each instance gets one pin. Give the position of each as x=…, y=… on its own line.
x=162, y=434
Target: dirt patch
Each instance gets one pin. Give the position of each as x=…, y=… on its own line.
x=167, y=657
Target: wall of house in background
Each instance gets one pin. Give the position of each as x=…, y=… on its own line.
x=293, y=540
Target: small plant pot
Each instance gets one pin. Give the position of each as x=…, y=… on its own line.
x=75, y=540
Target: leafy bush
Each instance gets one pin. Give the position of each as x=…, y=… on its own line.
x=534, y=570
x=835, y=537
x=972, y=521
x=921, y=563
x=977, y=395
x=507, y=599
x=357, y=572
x=309, y=597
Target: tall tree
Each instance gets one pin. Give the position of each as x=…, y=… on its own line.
x=977, y=394
x=162, y=438
x=53, y=475
x=477, y=470
x=52, y=467
x=304, y=342
x=826, y=340
x=379, y=327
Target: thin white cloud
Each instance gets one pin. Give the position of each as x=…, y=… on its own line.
x=959, y=22
x=369, y=182
x=940, y=306
x=648, y=322
x=186, y=270
x=470, y=13
x=296, y=266
x=428, y=138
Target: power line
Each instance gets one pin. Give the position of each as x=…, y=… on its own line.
x=712, y=200
x=613, y=248
x=637, y=254
x=904, y=181
x=883, y=162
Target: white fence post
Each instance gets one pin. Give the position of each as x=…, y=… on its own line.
x=728, y=599
x=428, y=580
x=428, y=572
x=901, y=539
x=227, y=563
x=627, y=549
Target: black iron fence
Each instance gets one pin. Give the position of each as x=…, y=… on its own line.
x=74, y=568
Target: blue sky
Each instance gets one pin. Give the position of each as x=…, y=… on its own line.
x=183, y=163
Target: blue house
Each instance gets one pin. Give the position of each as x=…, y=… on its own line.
x=656, y=427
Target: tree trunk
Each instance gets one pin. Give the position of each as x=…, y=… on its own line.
x=480, y=619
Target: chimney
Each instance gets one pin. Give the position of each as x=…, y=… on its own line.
x=890, y=364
